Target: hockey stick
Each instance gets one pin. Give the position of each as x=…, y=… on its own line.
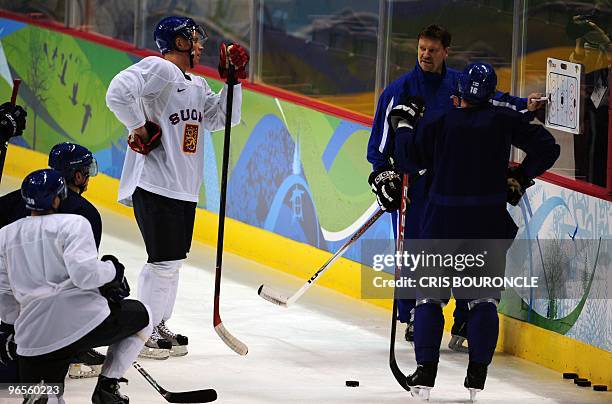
x=231, y=341
x=194, y=396
x=4, y=147
x=397, y=373
x=276, y=298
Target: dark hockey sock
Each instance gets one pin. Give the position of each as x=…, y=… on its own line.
x=404, y=306
x=461, y=313
x=428, y=329
x=483, y=328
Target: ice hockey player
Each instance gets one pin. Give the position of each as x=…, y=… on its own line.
x=77, y=164
x=466, y=151
x=12, y=123
x=60, y=299
x=436, y=84
x=166, y=110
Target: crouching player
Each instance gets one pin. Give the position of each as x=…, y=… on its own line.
x=77, y=164
x=60, y=299
x=467, y=150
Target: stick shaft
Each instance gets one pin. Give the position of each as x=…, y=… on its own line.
x=229, y=340
x=397, y=373
x=16, y=84
x=223, y=196
x=337, y=255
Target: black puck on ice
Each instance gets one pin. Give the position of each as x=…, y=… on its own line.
x=568, y=375
x=580, y=379
x=584, y=383
x=352, y=383
x=600, y=387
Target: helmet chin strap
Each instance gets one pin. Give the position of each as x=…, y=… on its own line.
x=191, y=52
x=191, y=56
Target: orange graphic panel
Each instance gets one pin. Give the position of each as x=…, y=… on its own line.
x=190, y=138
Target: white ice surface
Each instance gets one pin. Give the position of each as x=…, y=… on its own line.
x=301, y=354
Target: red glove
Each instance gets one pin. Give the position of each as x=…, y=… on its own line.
x=137, y=144
x=237, y=56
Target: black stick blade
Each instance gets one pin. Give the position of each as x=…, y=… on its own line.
x=193, y=396
x=196, y=396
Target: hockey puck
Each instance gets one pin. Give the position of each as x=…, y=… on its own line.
x=580, y=379
x=584, y=383
x=568, y=375
x=600, y=387
x=352, y=383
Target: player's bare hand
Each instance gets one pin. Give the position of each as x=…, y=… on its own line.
x=456, y=101
x=535, y=102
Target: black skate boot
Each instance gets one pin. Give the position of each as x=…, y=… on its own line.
x=86, y=364
x=107, y=391
x=458, y=337
x=423, y=379
x=179, y=342
x=475, y=379
x=41, y=398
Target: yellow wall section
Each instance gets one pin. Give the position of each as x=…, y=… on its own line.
x=516, y=337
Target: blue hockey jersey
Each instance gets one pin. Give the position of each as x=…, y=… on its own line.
x=466, y=153
x=436, y=90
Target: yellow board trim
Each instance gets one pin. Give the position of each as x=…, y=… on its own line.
x=516, y=337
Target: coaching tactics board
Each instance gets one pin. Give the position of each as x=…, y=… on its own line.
x=563, y=110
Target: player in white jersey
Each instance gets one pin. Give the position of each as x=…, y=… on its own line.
x=60, y=298
x=166, y=110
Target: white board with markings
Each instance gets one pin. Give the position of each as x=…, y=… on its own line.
x=564, y=107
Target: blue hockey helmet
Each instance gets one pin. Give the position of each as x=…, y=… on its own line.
x=168, y=28
x=40, y=187
x=67, y=158
x=477, y=83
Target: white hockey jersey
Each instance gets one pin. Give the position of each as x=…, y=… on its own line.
x=155, y=89
x=49, y=279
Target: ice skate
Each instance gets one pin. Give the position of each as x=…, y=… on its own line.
x=458, y=337
x=475, y=378
x=107, y=391
x=37, y=398
x=87, y=364
x=179, y=342
x=156, y=347
x=422, y=380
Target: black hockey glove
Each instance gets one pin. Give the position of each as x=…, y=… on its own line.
x=387, y=185
x=8, y=348
x=406, y=113
x=12, y=121
x=117, y=289
x=517, y=184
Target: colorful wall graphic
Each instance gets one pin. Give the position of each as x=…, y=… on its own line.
x=293, y=171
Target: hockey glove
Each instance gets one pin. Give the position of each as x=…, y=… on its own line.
x=517, y=184
x=387, y=185
x=8, y=348
x=142, y=147
x=406, y=113
x=237, y=56
x=117, y=289
x=12, y=121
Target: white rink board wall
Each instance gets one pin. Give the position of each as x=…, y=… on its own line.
x=554, y=212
